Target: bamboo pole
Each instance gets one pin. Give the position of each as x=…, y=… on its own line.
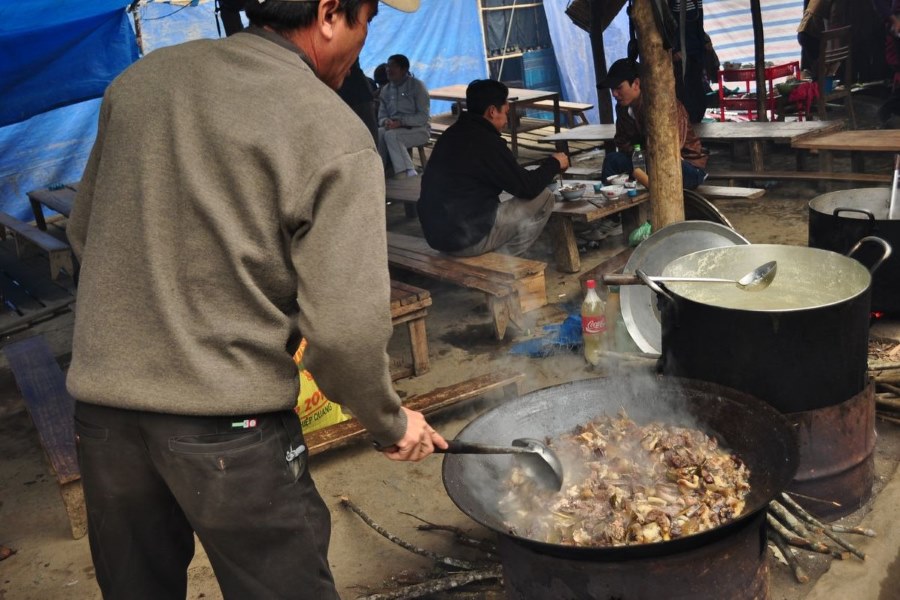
x=604, y=99
x=658, y=101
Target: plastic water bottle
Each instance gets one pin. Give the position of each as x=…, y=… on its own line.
x=593, y=324
x=637, y=159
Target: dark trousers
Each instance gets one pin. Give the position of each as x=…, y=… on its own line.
x=690, y=87
x=152, y=480
x=616, y=163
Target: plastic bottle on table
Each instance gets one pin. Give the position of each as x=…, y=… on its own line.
x=593, y=324
x=638, y=161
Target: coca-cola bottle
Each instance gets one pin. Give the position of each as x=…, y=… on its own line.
x=593, y=324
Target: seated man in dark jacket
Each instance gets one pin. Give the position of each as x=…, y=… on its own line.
x=461, y=208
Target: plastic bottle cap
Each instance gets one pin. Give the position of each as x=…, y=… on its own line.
x=637, y=147
x=590, y=284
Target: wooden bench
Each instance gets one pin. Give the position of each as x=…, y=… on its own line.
x=409, y=305
x=27, y=236
x=732, y=176
x=573, y=111
x=343, y=434
x=729, y=192
x=43, y=387
x=512, y=285
x=59, y=198
x=405, y=190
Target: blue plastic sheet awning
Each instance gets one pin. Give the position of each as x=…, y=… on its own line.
x=59, y=52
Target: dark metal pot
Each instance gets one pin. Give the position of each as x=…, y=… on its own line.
x=800, y=344
x=838, y=220
x=759, y=435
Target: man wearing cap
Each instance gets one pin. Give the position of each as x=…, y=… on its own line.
x=208, y=247
x=623, y=79
x=476, y=198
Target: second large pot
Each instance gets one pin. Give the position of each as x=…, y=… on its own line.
x=838, y=220
x=800, y=344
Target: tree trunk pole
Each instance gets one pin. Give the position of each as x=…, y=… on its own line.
x=759, y=54
x=658, y=99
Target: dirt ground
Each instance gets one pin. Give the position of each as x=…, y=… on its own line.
x=48, y=563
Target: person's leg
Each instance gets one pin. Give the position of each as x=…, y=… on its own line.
x=694, y=90
x=397, y=142
x=691, y=176
x=258, y=515
x=616, y=163
x=518, y=224
x=141, y=542
x=381, y=144
x=809, y=52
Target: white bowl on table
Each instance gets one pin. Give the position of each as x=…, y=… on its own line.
x=617, y=179
x=612, y=191
x=572, y=191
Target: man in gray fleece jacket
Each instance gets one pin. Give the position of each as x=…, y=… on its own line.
x=208, y=246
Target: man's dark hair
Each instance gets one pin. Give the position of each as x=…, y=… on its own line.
x=399, y=60
x=380, y=74
x=483, y=93
x=283, y=15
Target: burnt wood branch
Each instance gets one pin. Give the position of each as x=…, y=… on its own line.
x=795, y=540
x=888, y=387
x=821, y=527
x=888, y=418
x=427, y=588
x=857, y=530
x=446, y=560
x=789, y=520
x=799, y=573
x=889, y=403
x=458, y=534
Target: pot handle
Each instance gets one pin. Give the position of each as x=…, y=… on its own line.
x=655, y=287
x=877, y=240
x=861, y=211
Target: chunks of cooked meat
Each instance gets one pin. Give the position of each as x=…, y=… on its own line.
x=629, y=484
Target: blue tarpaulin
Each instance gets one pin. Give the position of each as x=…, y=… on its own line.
x=58, y=52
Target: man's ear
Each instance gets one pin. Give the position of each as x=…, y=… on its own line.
x=489, y=112
x=328, y=12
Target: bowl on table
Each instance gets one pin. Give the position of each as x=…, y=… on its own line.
x=617, y=179
x=572, y=191
x=612, y=191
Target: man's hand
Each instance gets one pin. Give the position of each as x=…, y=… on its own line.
x=418, y=441
x=562, y=159
x=392, y=124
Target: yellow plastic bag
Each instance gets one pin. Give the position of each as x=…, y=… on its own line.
x=313, y=408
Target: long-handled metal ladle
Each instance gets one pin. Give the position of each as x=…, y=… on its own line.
x=544, y=464
x=757, y=279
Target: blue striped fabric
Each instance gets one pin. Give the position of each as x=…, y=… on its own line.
x=730, y=27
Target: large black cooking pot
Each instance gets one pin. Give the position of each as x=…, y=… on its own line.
x=838, y=220
x=800, y=344
x=752, y=429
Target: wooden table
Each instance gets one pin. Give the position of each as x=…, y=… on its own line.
x=517, y=97
x=635, y=210
x=856, y=142
x=757, y=134
x=60, y=200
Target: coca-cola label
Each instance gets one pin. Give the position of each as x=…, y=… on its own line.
x=592, y=324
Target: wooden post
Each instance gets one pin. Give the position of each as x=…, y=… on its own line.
x=604, y=100
x=759, y=54
x=658, y=99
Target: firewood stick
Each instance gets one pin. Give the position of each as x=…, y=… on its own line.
x=801, y=512
x=794, y=539
x=461, y=536
x=883, y=365
x=856, y=530
x=888, y=387
x=447, y=560
x=882, y=401
x=789, y=520
x=427, y=588
x=799, y=574
x=887, y=418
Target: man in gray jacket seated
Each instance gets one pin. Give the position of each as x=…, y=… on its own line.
x=403, y=117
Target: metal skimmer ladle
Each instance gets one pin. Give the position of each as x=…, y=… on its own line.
x=754, y=281
x=544, y=465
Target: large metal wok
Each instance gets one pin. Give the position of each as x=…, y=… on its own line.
x=757, y=433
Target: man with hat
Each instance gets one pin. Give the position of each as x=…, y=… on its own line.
x=208, y=247
x=624, y=81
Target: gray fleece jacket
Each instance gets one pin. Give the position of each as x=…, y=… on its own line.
x=231, y=204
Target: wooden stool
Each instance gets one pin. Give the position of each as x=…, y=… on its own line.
x=409, y=305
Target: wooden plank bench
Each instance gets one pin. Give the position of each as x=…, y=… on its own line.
x=27, y=236
x=348, y=432
x=409, y=305
x=404, y=190
x=59, y=198
x=512, y=285
x=573, y=111
x=732, y=176
x=729, y=192
x=43, y=388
